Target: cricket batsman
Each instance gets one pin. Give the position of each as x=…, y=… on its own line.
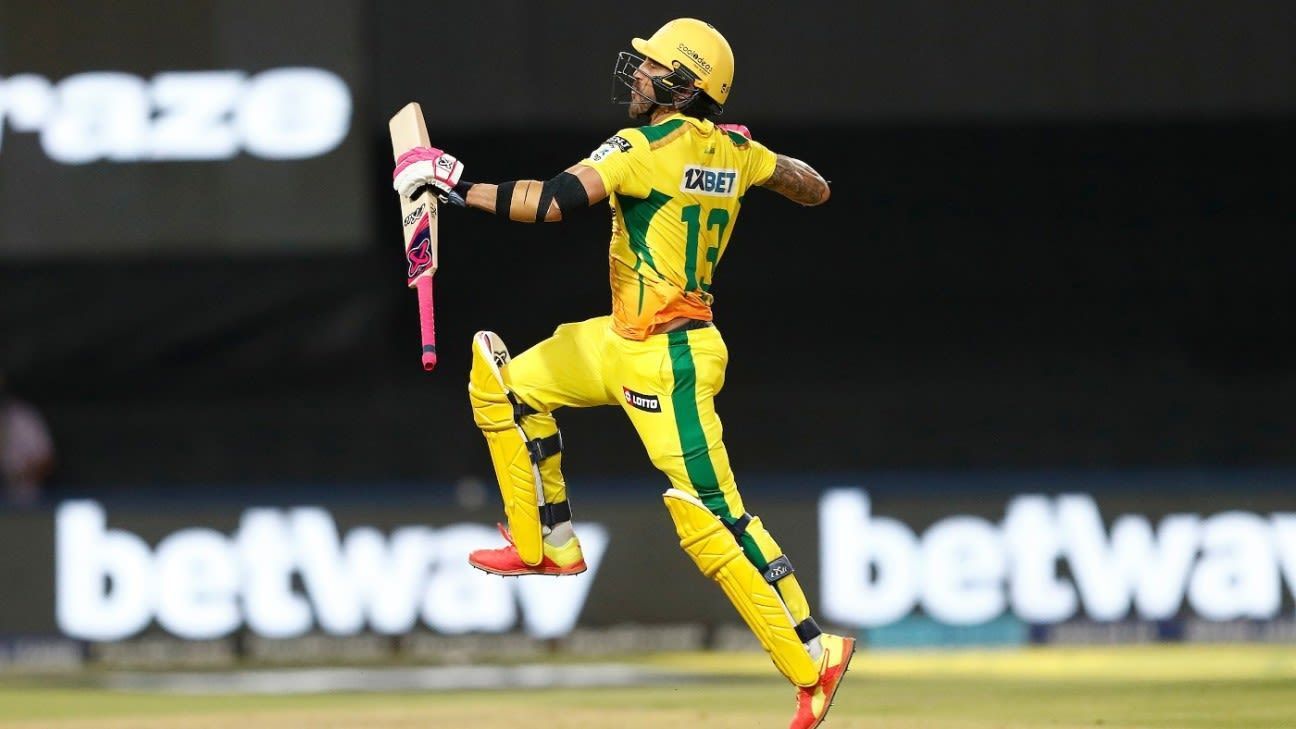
x=675, y=186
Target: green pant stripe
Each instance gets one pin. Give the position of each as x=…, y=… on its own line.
x=697, y=457
x=754, y=556
x=753, y=552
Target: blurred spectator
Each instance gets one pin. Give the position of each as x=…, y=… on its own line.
x=26, y=450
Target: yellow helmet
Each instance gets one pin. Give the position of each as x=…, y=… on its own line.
x=696, y=47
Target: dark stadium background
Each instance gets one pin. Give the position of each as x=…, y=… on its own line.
x=1060, y=238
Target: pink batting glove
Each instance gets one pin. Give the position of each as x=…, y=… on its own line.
x=736, y=128
x=426, y=166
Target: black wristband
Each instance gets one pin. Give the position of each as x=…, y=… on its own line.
x=462, y=187
x=504, y=197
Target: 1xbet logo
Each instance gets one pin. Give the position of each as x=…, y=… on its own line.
x=647, y=403
x=709, y=181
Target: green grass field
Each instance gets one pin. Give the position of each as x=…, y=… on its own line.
x=1249, y=687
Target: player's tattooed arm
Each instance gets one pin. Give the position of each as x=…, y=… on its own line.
x=798, y=182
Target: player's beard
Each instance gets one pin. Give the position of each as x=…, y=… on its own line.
x=640, y=107
x=643, y=102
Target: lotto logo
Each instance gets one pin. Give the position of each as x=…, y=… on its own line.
x=709, y=181
x=647, y=403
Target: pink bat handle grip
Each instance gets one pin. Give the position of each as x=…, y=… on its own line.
x=427, y=322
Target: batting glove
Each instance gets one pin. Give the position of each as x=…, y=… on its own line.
x=422, y=166
x=737, y=128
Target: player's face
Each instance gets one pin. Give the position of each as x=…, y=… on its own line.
x=642, y=100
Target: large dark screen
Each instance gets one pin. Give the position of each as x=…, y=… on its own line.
x=194, y=127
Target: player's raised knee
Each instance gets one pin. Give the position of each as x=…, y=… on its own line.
x=488, y=389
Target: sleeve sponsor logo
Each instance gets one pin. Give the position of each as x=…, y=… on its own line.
x=647, y=403
x=709, y=181
x=615, y=144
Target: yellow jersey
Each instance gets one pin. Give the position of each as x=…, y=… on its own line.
x=675, y=189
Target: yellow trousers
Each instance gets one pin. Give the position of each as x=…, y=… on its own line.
x=666, y=384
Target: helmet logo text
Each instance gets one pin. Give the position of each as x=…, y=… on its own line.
x=696, y=58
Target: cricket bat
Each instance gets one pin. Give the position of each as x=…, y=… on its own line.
x=419, y=218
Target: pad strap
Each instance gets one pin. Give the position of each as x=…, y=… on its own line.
x=542, y=448
x=551, y=514
x=539, y=448
x=520, y=409
x=807, y=630
x=778, y=569
x=739, y=525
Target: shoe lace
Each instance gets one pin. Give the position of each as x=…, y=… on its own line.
x=503, y=530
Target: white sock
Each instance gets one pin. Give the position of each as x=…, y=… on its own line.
x=559, y=534
x=815, y=647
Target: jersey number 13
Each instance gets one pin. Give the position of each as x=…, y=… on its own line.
x=704, y=246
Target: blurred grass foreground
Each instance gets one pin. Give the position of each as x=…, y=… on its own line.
x=1163, y=686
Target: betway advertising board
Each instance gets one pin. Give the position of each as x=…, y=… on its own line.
x=96, y=572
x=199, y=583
x=965, y=570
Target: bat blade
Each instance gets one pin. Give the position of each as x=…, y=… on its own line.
x=419, y=225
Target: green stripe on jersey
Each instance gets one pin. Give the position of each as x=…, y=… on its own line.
x=697, y=458
x=638, y=214
x=657, y=131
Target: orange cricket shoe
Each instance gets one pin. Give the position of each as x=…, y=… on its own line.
x=564, y=560
x=814, y=701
